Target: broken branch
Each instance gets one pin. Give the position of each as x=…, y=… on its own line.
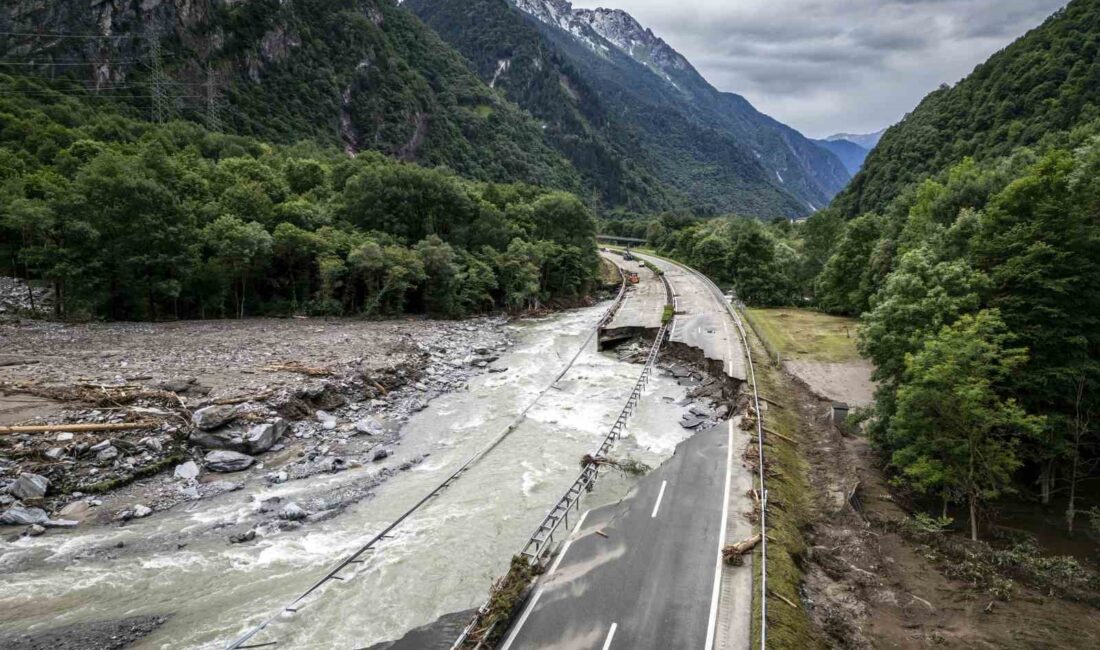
x=105, y=426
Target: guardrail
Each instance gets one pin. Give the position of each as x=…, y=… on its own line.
x=542, y=540
x=760, y=450
x=354, y=558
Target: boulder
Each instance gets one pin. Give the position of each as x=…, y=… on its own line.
x=29, y=486
x=722, y=411
x=141, y=511
x=247, y=536
x=223, y=460
x=371, y=426
x=212, y=417
x=64, y=436
x=76, y=510
x=23, y=516
x=107, y=454
x=261, y=437
x=293, y=512
x=380, y=454
x=36, y=530
x=187, y=471
x=691, y=421
x=54, y=453
x=701, y=411
x=228, y=439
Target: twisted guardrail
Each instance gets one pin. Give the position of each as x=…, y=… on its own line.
x=540, y=542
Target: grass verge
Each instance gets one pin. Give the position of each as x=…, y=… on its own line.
x=788, y=513
x=802, y=334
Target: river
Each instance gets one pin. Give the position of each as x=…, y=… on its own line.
x=178, y=563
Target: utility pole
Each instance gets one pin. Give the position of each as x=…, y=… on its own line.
x=163, y=110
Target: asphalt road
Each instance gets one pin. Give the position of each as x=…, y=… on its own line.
x=702, y=321
x=640, y=573
x=643, y=303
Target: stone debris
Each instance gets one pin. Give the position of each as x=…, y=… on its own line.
x=212, y=417
x=187, y=471
x=19, y=515
x=381, y=375
x=223, y=460
x=293, y=512
x=29, y=486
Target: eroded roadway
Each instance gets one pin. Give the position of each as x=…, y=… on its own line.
x=646, y=572
x=644, y=303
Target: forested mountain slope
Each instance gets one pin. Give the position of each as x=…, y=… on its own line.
x=1044, y=84
x=364, y=73
x=630, y=90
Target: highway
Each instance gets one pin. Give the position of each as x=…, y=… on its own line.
x=702, y=321
x=646, y=572
x=644, y=302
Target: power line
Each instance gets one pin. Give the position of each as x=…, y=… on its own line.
x=162, y=106
x=69, y=35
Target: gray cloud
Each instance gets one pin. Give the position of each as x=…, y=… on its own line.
x=825, y=66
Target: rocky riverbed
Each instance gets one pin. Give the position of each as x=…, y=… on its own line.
x=202, y=408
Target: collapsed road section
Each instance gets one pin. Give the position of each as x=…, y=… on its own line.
x=648, y=571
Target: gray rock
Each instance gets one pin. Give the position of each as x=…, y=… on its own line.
x=691, y=421
x=54, y=453
x=187, y=471
x=223, y=460
x=380, y=454
x=175, y=384
x=262, y=437
x=109, y=453
x=221, y=487
x=247, y=536
x=232, y=440
x=61, y=523
x=64, y=436
x=152, y=444
x=371, y=426
x=35, y=530
x=293, y=512
x=213, y=417
x=77, y=510
x=141, y=511
x=329, y=425
x=23, y=516
x=701, y=411
x=29, y=486
x=722, y=411
x=101, y=445
x=497, y=370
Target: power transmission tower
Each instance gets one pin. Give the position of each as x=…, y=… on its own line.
x=215, y=103
x=163, y=108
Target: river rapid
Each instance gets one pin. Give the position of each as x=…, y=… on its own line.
x=179, y=564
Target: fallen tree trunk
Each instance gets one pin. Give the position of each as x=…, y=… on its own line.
x=106, y=426
x=732, y=553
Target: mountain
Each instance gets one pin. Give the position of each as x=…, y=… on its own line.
x=849, y=153
x=630, y=92
x=363, y=73
x=866, y=140
x=1034, y=93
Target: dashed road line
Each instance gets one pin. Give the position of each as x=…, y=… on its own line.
x=610, y=635
x=660, y=495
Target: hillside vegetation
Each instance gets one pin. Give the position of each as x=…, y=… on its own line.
x=126, y=219
x=1029, y=94
x=644, y=125
x=361, y=74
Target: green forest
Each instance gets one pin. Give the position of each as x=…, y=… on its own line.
x=127, y=219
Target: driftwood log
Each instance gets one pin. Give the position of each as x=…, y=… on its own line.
x=732, y=553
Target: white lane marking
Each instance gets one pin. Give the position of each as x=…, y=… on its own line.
x=713, y=620
x=660, y=495
x=534, y=601
x=610, y=635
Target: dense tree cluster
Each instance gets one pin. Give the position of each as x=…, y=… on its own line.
x=129, y=220
x=762, y=262
x=979, y=296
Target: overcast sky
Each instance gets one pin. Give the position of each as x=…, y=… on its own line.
x=827, y=66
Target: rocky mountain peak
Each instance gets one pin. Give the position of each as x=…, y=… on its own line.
x=594, y=27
